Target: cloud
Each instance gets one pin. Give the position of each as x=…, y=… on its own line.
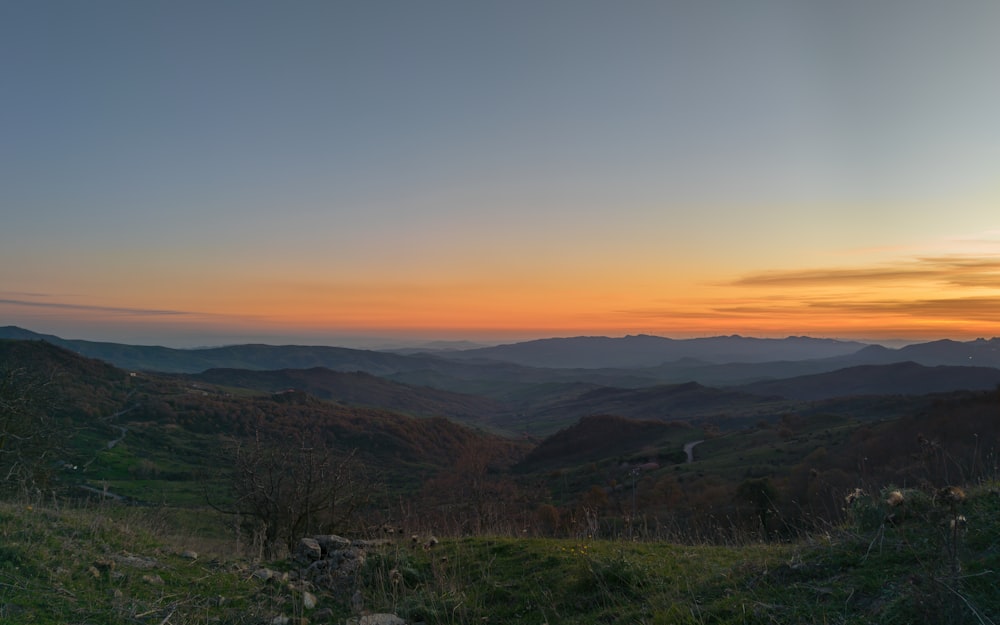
x=818, y=277
x=140, y=312
x=952, y=270
x=967, y=308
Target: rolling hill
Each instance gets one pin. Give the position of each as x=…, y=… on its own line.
x=904, y=378
x=359, y=389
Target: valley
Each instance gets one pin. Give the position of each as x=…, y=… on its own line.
x=468, y=445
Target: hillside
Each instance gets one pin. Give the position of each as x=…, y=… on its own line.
x=905, y=378
x=172, y=436
x=122, y=567
x=605, y=436
x=663, y=402
x=359, y=389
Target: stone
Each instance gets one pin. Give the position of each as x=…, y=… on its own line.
x=137, y=562
x=323, y=615
x=308, y=600
x=263, y=574
x=188, y=554
x=332, y=542
x=308, y=550
x=376, y=619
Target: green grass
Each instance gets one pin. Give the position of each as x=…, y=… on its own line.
x=108, y=565
x=887, y=565
x=881, y=572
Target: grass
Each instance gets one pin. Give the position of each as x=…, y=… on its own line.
x=118, y=565
x=123, y=565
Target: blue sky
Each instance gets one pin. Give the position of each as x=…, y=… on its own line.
x=388, y=167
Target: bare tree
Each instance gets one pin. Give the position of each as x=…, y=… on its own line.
x=30, y=437
x=291, y=490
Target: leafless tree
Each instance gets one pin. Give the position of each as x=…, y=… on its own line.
x=290, y=490
x=30, y=437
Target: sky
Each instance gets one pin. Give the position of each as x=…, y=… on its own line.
x=363, y=173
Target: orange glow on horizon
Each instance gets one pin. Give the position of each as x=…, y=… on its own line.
x=930, y=296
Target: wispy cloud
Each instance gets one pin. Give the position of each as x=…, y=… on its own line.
x=915, y=294
x=952, y=270
x=142, y=312
x=24, y=294
x=969, y=308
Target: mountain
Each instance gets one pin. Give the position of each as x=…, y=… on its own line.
x=980, y=352
x=180, y=428
x=661, y=403
x=903, y=378
x=359, y=389
x=505, y=372
x=602, y=436
x=591, y=352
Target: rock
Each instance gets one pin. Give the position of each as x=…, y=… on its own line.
x=308, y=600
x=152, y=578
x=331, y=542
x=137, y=562
x=264, y=574
x=376, y=619
x=188, y=554
x=307, y=551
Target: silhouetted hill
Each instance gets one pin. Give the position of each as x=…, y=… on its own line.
x=74, y=385
x=597, y=437
x=665, y=403
x=251, y=356
x=904, y=378
x=648, y=351
x=358, y=388
x=980, y=352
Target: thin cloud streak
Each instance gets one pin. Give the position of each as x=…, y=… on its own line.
x=140, y=312
x=956, y=270
x=967, y=308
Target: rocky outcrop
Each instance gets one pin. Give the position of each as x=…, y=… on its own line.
x=329, y=563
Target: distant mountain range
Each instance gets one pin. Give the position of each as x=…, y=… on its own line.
x=593, y=352
x=551, y=380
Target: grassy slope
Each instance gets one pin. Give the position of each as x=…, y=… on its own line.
x=867, y=572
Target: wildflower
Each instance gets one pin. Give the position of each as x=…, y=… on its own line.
x=895, y=498
x=958, y=522
x=854, y=496
x=29, y=508
x=951, y=495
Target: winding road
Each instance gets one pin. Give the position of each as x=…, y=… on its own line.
x=689, y=449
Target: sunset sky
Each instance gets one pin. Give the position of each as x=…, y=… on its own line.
x=368, y=173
